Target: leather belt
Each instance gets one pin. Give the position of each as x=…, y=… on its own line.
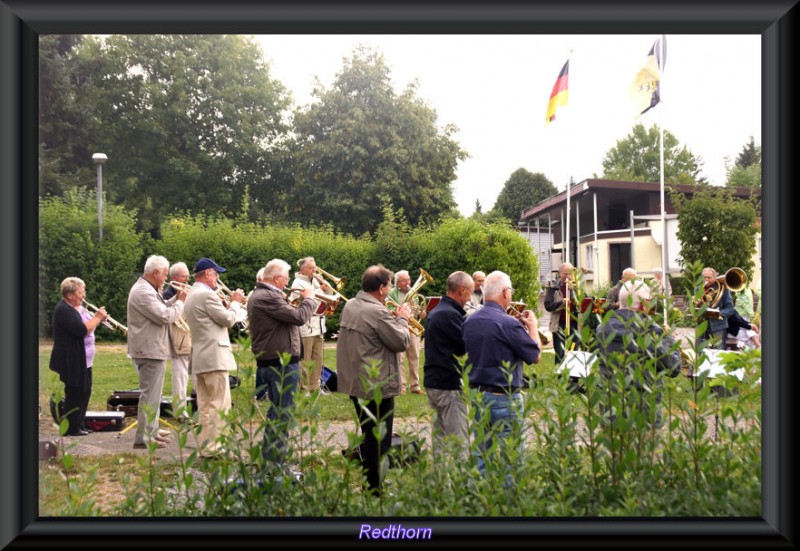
x=496, y=389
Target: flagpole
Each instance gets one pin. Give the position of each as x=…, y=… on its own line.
x=567, y=133
x=664, y=272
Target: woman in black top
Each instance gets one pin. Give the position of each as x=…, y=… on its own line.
x=73, y=350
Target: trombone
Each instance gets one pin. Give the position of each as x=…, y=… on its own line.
x=413, y=325
x=109, y=322
x=339, y=282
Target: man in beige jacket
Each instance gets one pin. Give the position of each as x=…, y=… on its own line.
x=149, y=320
x=212, y=357
x=370, y=334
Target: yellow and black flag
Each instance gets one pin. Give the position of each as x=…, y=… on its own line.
x=558, y=97
x=645, y=91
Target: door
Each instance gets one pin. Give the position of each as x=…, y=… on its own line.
x=619, y=258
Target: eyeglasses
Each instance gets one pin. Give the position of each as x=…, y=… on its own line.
x=511, y=289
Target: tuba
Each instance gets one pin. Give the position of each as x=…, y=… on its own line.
x=424, y=278
x=516, y=309
x=734, y=279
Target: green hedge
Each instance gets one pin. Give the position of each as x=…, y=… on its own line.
x=69, y=246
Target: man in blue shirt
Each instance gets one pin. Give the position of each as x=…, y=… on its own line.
x=443, y=348
x=497, y=345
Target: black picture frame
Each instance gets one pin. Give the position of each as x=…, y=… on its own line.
x=21, y=22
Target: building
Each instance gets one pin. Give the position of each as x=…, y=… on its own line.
x=613, y=225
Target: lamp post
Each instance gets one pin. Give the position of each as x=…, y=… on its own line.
x=99, y=159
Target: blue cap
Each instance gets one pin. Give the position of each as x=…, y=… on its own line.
x=205, y=264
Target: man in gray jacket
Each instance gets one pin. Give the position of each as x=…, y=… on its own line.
x=369, y=334
x=149, y=320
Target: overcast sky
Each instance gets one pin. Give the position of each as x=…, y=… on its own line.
x=495, y=89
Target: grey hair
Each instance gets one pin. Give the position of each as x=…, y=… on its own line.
x=275, y=267
x=629, y=271
x=477, y=273
x=302, y=262
x=155, y=263
x=178, y=267
x=260, y=274
x=70, y=285
x=495, y=283
x=398, y=274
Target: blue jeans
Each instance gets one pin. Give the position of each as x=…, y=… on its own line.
x=504, y=420
x=281, y=385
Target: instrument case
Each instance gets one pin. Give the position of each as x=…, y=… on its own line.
x=104, y=420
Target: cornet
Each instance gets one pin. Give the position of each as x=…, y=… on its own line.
x=109, y=322
x=517, y=309
x=413, y=325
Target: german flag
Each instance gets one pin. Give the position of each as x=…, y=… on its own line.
x=558, y=96
x=645, y=92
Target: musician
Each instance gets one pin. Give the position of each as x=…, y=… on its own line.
x=717, y=329
x=555, y=304
x=73, y=351
x=492, y=338
x=476, y=300
x=313, y=332
x=260, y=390
x=663, y=286
x=443, y=346
x=620, y=337
x=370, y=334
x=212, y=358
x=612, y=298
x=180, y=341
x=149, y=320
x=275, y=330
x=402, y=285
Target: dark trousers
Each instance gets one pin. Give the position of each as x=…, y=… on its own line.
x=76, y=401
x=371, y=450
x=560, y=339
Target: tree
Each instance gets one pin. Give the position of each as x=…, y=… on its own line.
x=361, y=145
x=637, y=158
x=523, y=189
x=716, y=229
x=746, y=171
x=189, y=122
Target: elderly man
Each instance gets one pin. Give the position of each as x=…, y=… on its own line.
x=275, y=329
x=443, y=347
x=313, y=332
x=371, y=335
x=633, y=350
x=181, y=342
x=497, y=345
x=662, y=285
x=612, y=299
x=260, y=391
x=212, y=357
x=476, y=300
x=555, y=299
x=402, y=285
x=149, y=320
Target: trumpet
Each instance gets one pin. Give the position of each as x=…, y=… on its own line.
x=180, y=323
x=413, y=325
x=517, y=310
x=179, y=286
x=109, y=322
x=328, y=303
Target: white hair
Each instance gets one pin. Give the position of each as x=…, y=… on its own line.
x=398, y=274
x=275, y=267
x=634, y=295
x=155, y=263
x=260, y=274
x=496, y=282
x=178, y=267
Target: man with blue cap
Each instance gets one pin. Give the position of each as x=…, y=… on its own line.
x=212, y=357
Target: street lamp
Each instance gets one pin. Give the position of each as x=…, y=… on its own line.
x=99, y=159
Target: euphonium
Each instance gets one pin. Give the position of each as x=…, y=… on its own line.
x=413, y=325
x=516, y=309
x=109, y=322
